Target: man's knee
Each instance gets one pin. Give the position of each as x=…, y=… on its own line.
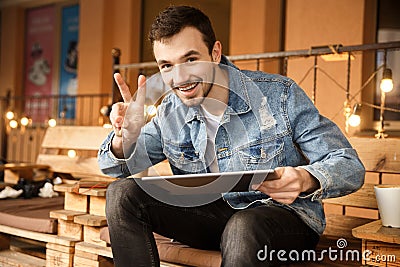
x=241, y=223
x=120, y=193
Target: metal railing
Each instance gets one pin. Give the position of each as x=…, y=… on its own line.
x=22, y=133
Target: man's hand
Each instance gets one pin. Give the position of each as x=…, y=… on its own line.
x=127, y=128
x=287, y=184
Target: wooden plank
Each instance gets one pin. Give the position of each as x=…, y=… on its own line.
x=391, y=178
x=381, y=254
x=70, y=229
x=97, y=206
x=57, y=258
x=60, y=248
x=83, y=262
x=372, y=178
x=4, y=241
x=378, y=154
x=28, y=247
x=91, y=220
x=362, y=213
x=91, y=234
x=66, y=241
x=77, y=166
x=10, y=258
x=76, y=202
x=87, y=255
x=375, y=231
x=100, y=192
x=341, y=226
x=363, y=198
x=94, y=249
x=64, y=187
x=23, y=166
x=66, y=215
x=75, y=137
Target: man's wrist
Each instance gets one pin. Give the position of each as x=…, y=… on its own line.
x=117, y=147
x=310, y=183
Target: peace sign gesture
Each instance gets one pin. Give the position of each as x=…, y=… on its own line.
x=127, y=127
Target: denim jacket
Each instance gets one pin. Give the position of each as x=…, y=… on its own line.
x=269, y=122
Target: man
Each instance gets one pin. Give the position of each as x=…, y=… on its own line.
x=221, y=119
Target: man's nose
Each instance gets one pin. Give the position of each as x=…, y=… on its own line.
x=180, y=74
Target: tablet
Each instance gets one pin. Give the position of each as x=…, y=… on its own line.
x=208, y=183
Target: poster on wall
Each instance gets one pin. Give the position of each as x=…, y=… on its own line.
x=69, y=61
x=39, y=51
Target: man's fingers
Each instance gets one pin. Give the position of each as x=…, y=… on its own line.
x=277, y=174
x=141, y=92
x=123, y=88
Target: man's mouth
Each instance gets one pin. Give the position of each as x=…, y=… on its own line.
x=186, y=87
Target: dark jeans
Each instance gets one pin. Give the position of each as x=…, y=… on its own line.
x=245, y=237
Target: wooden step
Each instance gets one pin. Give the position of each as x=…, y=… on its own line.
x=47, y=238
x=341, y=225
x=363, y=198
x=91, y=220
x=10, y=258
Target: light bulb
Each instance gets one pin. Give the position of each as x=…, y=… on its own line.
x=52, y=122
x=24, y=121
x=10, y=115
x=71, y=153
x=387, y=82
x=354, y=120
x=386, y=85
x=13, y=124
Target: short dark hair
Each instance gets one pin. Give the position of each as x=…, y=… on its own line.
x=173, y=19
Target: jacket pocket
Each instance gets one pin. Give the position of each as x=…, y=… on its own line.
x=183, y=157
x=260, y=154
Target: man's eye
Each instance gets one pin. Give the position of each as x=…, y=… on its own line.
x=165, y=66
x=191, y=59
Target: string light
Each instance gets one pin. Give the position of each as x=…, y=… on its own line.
x=13, y=124
x=354, y=118
x=71, y=153
x=52, y=122
x=387, y=82
x=10, y=115
x=24, y=121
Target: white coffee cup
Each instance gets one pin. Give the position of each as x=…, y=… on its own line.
x=388, y=199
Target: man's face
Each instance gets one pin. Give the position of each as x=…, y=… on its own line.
x=186, y=65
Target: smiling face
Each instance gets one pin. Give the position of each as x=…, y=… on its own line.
x=187, y=66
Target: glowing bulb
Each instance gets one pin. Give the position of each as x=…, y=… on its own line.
x=10, y=115
x=354, y=120
x=52, y=122
x=13, y=124
x=386, y=85
x=71, y=153
x=24, y=121
x=387, y=82
x=151, y=110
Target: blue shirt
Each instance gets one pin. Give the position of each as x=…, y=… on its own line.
x=269, y=122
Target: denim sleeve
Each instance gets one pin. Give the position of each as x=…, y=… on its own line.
x=332, y=160
x=146, y=152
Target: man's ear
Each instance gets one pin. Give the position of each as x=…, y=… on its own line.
x=216, y=52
